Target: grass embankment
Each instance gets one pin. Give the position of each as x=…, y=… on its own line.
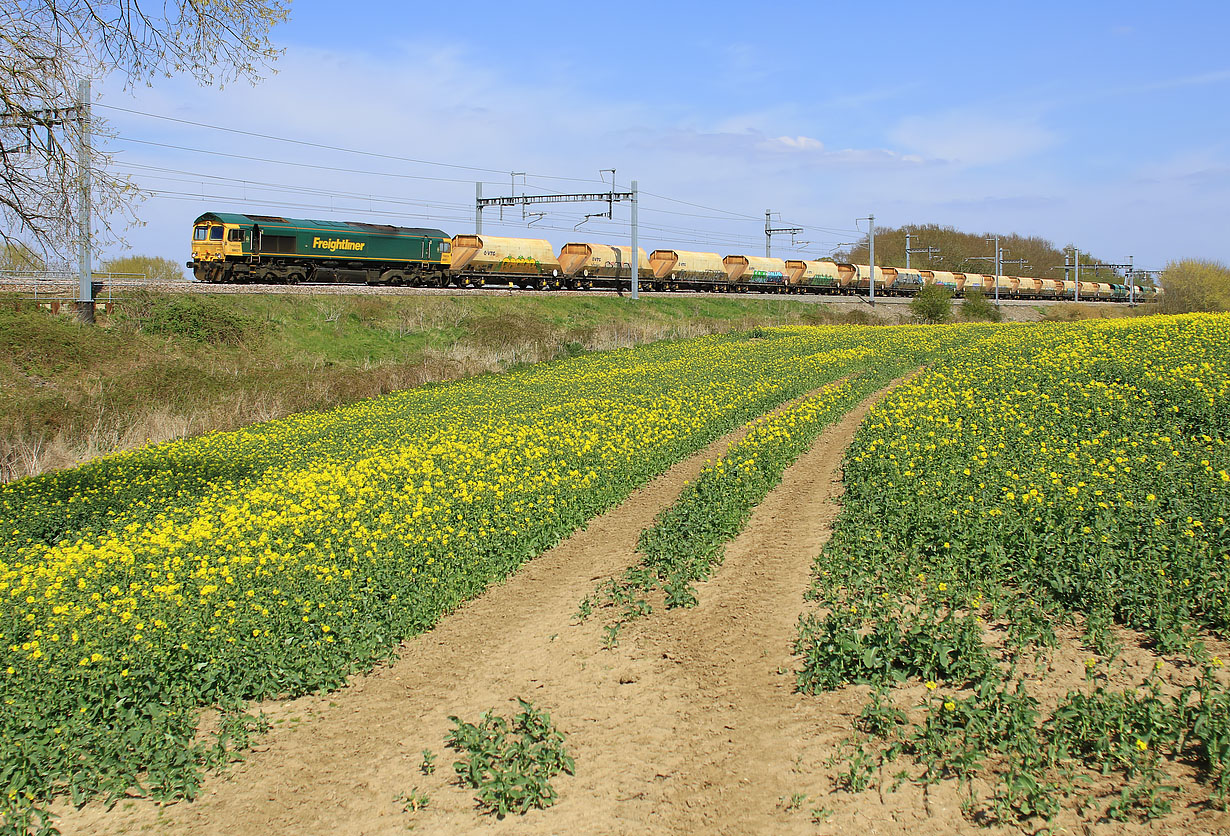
x=165, y=366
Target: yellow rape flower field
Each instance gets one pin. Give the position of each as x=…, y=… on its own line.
x=1030, y=477
x=278, y=559
x=1039, y=483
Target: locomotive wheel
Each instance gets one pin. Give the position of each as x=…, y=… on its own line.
x=393, y=277
x=294, y=278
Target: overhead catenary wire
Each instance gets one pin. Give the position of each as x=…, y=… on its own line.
x=418, y=161
x=337, y=169
x=384, y=205
x=339, y=148
x=443, y=209
x=620, y=233
x=185, y=176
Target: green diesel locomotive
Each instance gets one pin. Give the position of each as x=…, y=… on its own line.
x=269, y=250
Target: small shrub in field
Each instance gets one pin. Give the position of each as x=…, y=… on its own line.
x=932, y=304
x=510, y=763
x=977, y=306
x=856, y=317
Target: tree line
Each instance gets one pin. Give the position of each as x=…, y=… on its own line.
x=967, y=252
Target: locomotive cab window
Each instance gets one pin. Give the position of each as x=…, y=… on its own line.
x=200, y=233
x=215, y=233
x=235, y=235
x=445, y=246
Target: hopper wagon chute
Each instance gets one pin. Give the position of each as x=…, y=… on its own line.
x=942, y=278
x=603, y=265
x=686, y=270
x=813, y=274
x=487, y=259
x=756, y=272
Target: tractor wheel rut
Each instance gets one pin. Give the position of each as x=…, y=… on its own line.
x=690, y=724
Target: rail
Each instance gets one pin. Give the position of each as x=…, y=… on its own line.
x=62, y=285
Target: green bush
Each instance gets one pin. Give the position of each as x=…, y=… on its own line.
x=1195, y=285
x=197, y=318
x=977, y=306
x=932, y=304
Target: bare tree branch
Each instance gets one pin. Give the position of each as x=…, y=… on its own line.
x=47, y=46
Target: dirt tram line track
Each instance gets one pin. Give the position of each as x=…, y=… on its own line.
x=690, y=725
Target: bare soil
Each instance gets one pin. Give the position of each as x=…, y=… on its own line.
x=689, y=725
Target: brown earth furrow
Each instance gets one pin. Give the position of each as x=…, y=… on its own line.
x=336, y=763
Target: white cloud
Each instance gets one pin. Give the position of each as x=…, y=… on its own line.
x=971, y=138
x=798, y=143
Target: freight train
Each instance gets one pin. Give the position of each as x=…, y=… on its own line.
x=273, y=250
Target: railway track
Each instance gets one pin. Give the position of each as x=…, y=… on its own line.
x=67, y=291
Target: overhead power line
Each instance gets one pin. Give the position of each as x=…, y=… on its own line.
x=694, y=235
x=327, y=147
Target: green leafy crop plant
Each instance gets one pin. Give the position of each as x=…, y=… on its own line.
x=510, y=762
x=1040, y=480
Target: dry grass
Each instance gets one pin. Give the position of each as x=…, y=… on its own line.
x=166, y=366
x=1075, y=311
x=239, y=395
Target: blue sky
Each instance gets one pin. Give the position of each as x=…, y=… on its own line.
x=1103, y=125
